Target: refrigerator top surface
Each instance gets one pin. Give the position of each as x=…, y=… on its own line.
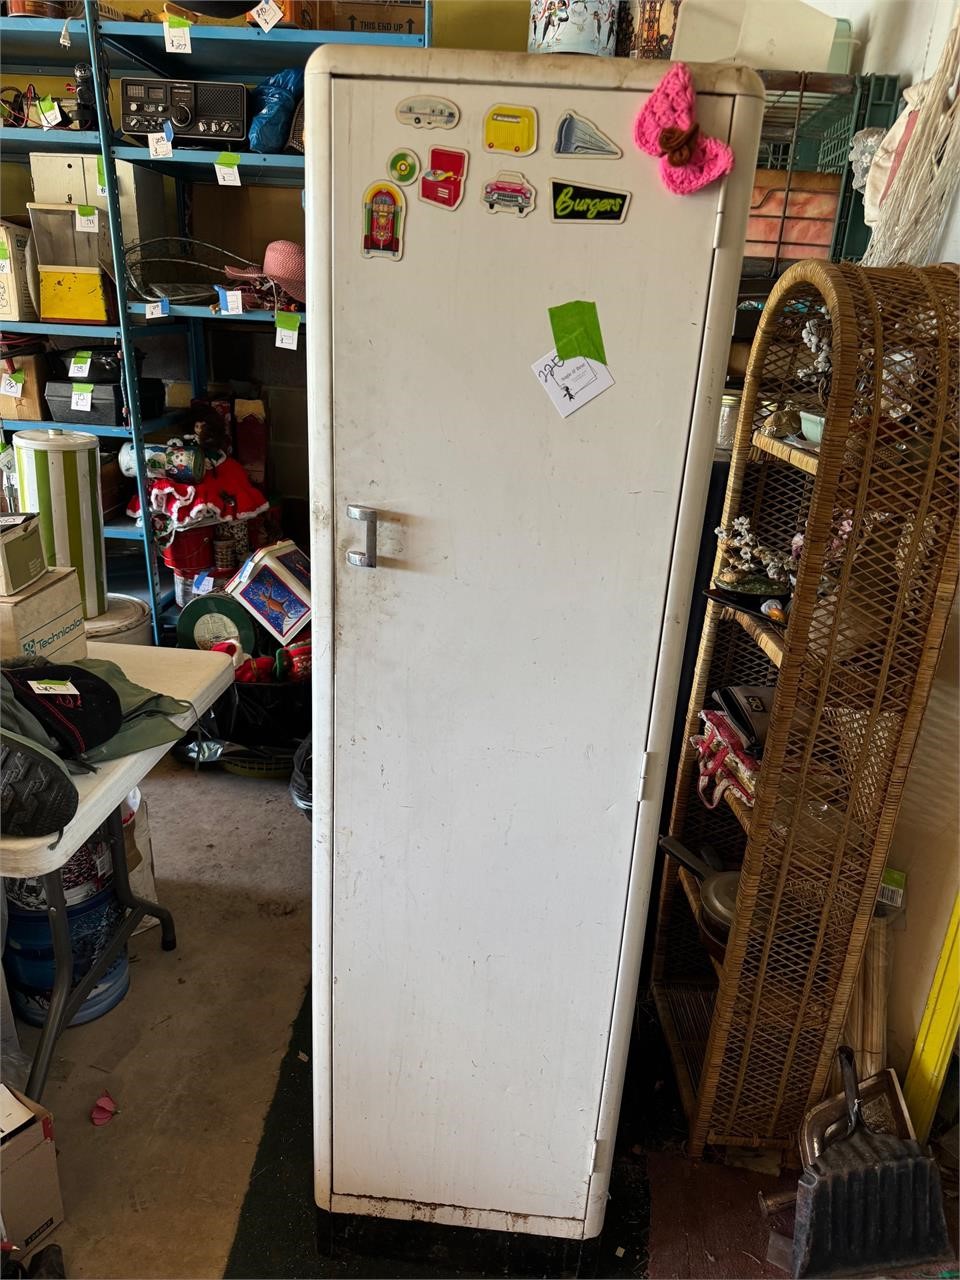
x=547, y=70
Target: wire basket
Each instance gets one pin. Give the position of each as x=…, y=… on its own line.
x=180, y=269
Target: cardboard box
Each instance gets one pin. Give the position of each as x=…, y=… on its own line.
x=29, y=1186
x=29, y=405
x=384, y=17
x=73, y=179
x=15, y=302
x=21, y=552
x=44, y=620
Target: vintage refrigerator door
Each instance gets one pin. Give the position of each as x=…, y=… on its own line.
x=494, y=673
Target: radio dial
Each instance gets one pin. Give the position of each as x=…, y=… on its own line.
x=181, y=115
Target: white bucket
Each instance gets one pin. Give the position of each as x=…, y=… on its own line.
x=126, y=621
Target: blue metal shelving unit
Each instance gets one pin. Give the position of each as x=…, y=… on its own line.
x=32, y=46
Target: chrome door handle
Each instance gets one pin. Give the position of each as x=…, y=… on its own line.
x=364, y=559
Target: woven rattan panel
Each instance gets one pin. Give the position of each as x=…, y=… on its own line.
x=875, y=581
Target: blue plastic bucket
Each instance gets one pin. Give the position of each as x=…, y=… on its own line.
x=29, y=962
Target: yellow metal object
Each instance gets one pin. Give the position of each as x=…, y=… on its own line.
x=72, y=293
x=937, y=1034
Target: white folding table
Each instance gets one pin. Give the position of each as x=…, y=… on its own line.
x=196, y=677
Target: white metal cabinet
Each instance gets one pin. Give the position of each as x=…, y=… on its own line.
x=495, y=689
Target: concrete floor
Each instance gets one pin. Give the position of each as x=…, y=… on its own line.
x=191, y=1055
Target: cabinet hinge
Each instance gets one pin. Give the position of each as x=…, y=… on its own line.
x=644, y=773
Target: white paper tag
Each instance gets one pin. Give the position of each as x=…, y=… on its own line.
x=232, y=304
x=81, y=399
x=267, y=15
x=571, y=384
x=80, y=365
x=11, y=384
x=228, y=175
x=4, y=266
x=154, y=310
x=88, y=219
x=176, y=38
x=53, y=687
x=160, y=146
x=288, y=335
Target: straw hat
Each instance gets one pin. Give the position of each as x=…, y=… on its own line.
x=283, y=263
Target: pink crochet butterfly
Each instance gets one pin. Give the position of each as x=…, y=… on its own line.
x=667, y=127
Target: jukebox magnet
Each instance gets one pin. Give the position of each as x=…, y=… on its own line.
x=383, y=212
x=510, y=129
x=403, y=166
x=442, y=183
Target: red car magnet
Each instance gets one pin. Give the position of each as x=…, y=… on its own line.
x=443, y=180
x=383, y=212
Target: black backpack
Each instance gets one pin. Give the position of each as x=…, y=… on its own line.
x=77, y=708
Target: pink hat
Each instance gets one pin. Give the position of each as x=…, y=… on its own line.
x=283, y=263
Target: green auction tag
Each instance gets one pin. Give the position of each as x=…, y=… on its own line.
x=225, y=165
x=80, y=364
x=11, y=384
x=101, y=178
x=81, y=396
x=288, y=329
x=49, y=112
x=87, y=218
x=176, y=35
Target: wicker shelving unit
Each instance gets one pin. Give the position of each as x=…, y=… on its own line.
x=753, y=1038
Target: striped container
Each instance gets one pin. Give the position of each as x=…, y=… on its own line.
x=59, y=477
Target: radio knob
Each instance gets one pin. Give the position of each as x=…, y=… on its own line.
x=181, y=115
x=214, y=126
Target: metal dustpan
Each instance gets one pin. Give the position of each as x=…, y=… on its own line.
x=868, y=1201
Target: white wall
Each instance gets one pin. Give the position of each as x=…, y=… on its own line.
x=904, y=38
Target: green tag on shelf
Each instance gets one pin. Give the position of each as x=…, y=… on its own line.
x=227, y=170
x=4, y=251
x=176, y=35
x=49, y=111
x=11, y=384
x=288, y=329
x=101, y=178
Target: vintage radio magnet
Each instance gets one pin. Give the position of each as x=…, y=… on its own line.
x=403, y=166
x=383, y=213
x=510, y=190
x=510, y=129
x=428, y=113
x=577, y=136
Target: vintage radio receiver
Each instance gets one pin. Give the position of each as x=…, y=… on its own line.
x=201, y=110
